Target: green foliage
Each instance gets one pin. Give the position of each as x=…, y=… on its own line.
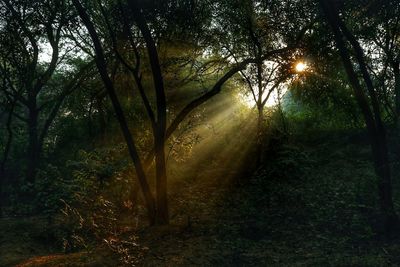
x=50, y=189
x=318, y=189
x=309, y=111
x=104, y=171
x=289, y=162
x=323, y=188
x=42, y=198
x=104, y=194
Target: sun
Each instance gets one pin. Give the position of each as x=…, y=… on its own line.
x=300, y=67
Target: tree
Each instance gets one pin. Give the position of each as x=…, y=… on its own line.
x=348, y=45
x=254, y=30
x=157, y=207
x=30, y=31
x=380, y=34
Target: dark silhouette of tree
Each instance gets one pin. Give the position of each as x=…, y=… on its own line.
x=27, y=80
x=369, y=106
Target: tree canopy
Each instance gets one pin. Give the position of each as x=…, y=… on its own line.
x=111, y=110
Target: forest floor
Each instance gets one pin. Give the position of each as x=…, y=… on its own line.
x=312, y=203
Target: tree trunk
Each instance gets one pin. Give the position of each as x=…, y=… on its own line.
x=260, y=135
x=396, y=71
x=101, y=119
x=260, y=108
x=372, y=118
x=159, y=131
x=102, y=68
x=161, y=183
x=33, y=152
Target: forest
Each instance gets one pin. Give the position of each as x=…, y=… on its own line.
x=199, y=133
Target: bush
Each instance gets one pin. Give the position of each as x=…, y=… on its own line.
x=91, y=216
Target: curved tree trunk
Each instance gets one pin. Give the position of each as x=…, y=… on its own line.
x=102, y=68
x=372, y=116
x=159, y=133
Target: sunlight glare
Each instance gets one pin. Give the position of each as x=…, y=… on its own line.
x=300, y=67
